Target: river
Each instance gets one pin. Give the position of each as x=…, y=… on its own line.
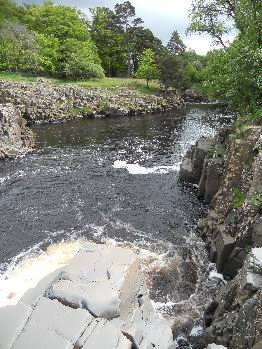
x=111, y=180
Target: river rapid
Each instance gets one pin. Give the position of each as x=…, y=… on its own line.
x=114, y=181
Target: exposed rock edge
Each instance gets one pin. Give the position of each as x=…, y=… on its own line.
x=99, y=300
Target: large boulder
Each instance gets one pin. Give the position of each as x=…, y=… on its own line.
x=99, y=300
x=15, y=137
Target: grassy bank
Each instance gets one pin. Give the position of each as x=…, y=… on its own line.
x=107, y=83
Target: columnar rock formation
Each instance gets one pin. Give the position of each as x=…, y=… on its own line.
x=15, y=137
x=228, y=172
x=98, y=301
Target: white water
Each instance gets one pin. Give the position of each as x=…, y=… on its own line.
x=136, y=169
x=29, y=270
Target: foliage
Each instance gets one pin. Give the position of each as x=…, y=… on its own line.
x=11, y=11
x=172, y=71
x=175, y=44
x=256, y=201
x=233, y=73
x=195, y=65
x=109, y=41
x=62, y=22
x=19, y=49
x=80, y=60
x=121, y=39
x=148, y=69
x=238, y=198
x=49, y=53
x=214, y=17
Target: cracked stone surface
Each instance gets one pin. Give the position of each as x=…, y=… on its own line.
x=97, y=301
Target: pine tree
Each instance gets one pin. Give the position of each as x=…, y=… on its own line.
x=175, y=44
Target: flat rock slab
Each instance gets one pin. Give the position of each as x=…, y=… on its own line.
x=105, y=335
x=53, y=323
x=99, y=280
x=12, y=322
x=98, y=301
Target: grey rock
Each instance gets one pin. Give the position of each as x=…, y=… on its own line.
x=210, y=179
x=15, y=137
x=224, y=245
x=42, y=101
x=103, y=281
x=257, y=232
x=193, y=163
x=55, y=324
x=32, y=296
x=12, y=321
x=105, y=335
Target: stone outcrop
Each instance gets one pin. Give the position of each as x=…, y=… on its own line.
x=192, y=96
x=42, y=101
x=236, y=313
x=98, y=301
x=228, y=173
x=15, y=137
x=203, y=165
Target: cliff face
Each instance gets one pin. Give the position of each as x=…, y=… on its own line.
x=228, y=172
x=15, y=137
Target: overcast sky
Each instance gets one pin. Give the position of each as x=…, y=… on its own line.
x=161, y=16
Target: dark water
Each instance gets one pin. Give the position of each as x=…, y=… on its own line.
x=114, y=178
x=69, y=187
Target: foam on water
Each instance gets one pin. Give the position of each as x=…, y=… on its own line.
x=137, y=169
x=30, y=270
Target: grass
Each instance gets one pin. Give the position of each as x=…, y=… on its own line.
x=238, y=198
x=112, y=84
x=17, y=77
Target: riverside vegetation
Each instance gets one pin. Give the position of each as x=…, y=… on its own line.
x=95, y=68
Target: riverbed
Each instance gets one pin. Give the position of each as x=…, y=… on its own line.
x=113, y=181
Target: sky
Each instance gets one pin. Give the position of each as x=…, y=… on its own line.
x=161, y=16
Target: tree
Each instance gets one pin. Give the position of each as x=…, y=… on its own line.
x=147, y=69
x=214, y=17
x=234, y=73
x=62, y=22
x=125, y=19
x=66, y=46
x=19, y=48
x=109, y=41
x=172, y=71
x=175, y=44
x=141, y=39
x=11, y=11
x=80, y=60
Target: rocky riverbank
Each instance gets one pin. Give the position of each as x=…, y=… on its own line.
x=15, y=137
x=227, y=171
x=45, y=102
x=99, y=300
x=29, y=103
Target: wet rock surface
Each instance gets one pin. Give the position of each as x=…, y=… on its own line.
x=98, y=301
x=45, y=102
x=15, y=137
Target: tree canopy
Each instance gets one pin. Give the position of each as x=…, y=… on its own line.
x=147, y=69
x=233, y=72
